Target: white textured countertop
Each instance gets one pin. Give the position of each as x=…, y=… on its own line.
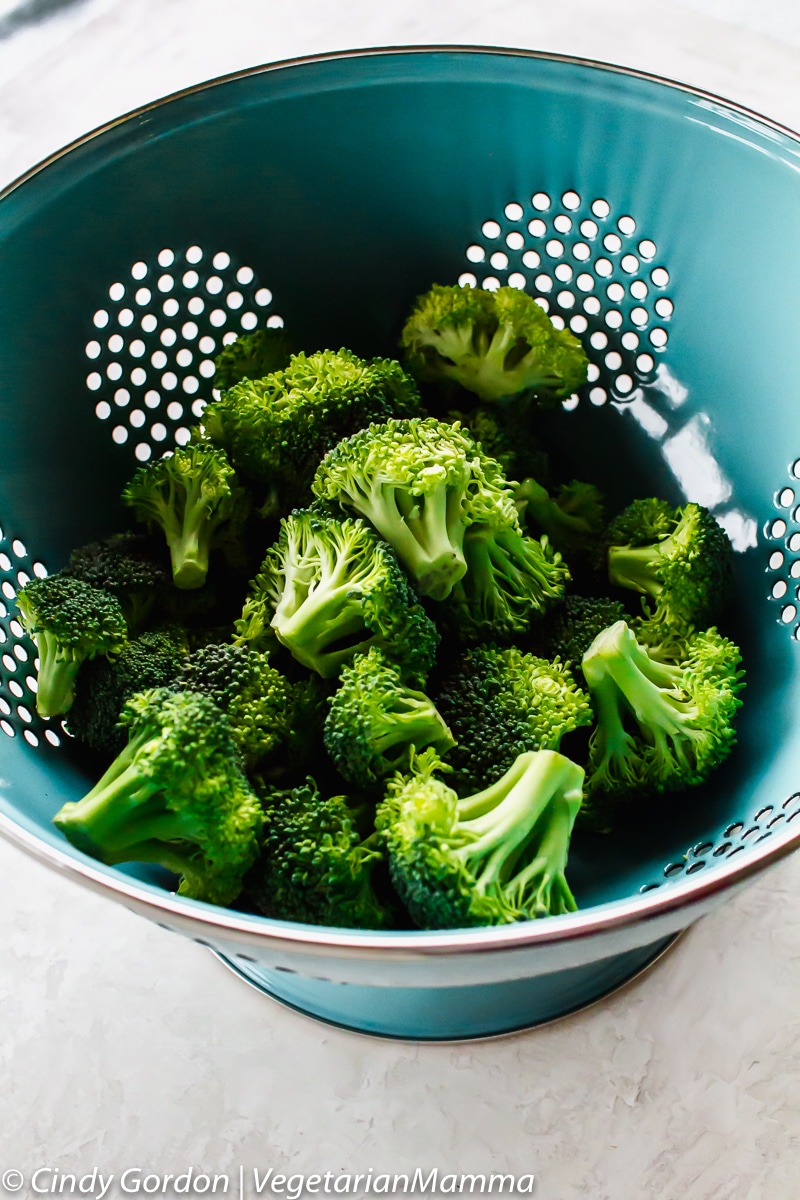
x=124, y=1046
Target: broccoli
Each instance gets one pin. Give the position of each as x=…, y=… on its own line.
x=575, y=624
x=421, y=483
x=251, y=356
x=277, y=429
x=176, y=796
x=126, y=566
x=330, y=589
x=494, y=344
x=511, y=579
x=313, y=865
x=375, y=720
x=572, y=521
x=70, y=621
x=681, y=558
x=661, y=725
x=151, y=660
x=501, y=702
x=258, y=699
x=194, y=497
x=492, y=858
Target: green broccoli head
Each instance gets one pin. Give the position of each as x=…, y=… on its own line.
x=127, y=566
x=259, y=701
x=251, y=356
x=152, y=660
x=314, y=866
x=506, y=433
x=421, y=483
x=176, y=796
x=502, y=702
x=277, y=429
x=511, y=580
x=681, y=558
x=495, y=857
x=572, y=521
x=494, y=344
x=376, y=720
x=662, y=724
x=70, y=621
x=194, y=497
x=331, y=589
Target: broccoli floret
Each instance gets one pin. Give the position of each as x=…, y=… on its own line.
x=314, y=866
x=572, y=520
x=681, y=558
x=251, y=356
x=575, y=624
x=330, y=589
x=511, y=579
x=494, y=344
x=495, y=857
x=70, y=621
x=375, y=720
x=151, y=660
x=502, y=702
x=661, y=725
x=258, y=700
x=176, y=795
x=126, y=566
x=194, y=497
x=277, y=429
x=421, y=483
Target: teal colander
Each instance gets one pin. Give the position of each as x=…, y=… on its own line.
x=661, y=224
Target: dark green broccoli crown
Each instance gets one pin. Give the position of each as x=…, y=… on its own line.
x=331, y=589
x=176, y=795
x=572, y=520
x=122, y=564
x=151, y=660
x=662, y=724
x=314, y=866
x=421, y=483
x=494, y=344
x=194, y=497
x=277, y=429
x=495, y=857
x=577, y=622
x=258, y=699
x=501, y=702
x=251, y=356
x=687, y=568
x=375, y=721
x=83, y=620
x=510, y=581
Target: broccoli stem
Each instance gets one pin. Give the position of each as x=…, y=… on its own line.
x=189, y=539
x=328, y=615
x=56, y=676
x=553, y=895
x=501, y=832
x=634, y=567
x=426, y=532
x=412, y=721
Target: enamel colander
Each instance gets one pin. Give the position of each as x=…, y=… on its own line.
x=659, y=223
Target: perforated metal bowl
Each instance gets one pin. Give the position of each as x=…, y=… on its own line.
x=661, y=224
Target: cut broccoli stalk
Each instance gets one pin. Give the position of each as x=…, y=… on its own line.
x=494, y=857
x=55, y=684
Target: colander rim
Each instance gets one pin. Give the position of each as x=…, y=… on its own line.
x=659, y=902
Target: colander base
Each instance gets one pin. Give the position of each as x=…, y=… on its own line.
x=450, y=1014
